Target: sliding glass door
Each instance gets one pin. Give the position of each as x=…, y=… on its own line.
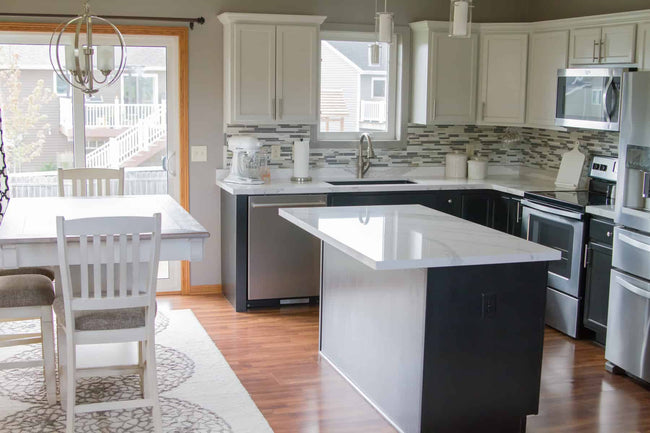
x=133, y=124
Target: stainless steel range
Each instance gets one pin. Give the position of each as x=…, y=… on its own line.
x=557, y=219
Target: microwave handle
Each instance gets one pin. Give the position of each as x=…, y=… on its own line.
x=608, y=88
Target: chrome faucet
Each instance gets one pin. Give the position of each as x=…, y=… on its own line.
x=363, y=163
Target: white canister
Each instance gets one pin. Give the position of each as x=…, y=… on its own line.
x=456, y=165
x=477, y=169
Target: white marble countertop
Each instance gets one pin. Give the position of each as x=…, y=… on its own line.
x=413, y=236
x=506, y=180
x=605, y=211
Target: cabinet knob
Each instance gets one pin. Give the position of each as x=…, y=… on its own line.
x=450, y=201
x=609, y=234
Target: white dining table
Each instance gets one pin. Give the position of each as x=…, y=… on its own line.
x=28, y=230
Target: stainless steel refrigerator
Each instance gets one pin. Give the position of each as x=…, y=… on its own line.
x=628, y=322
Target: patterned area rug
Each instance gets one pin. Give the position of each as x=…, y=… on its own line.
x=199, y=392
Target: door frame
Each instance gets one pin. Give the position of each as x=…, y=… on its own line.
x=181, y=33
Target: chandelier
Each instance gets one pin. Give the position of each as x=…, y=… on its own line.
x=86, y=67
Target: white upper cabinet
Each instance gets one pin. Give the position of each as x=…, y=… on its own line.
x=253, y=79
x=548, y=53
x=270, y=68
x=603, y=45
x=444, y=77
x=502, y=83
x=297, y=72
x=643, y=47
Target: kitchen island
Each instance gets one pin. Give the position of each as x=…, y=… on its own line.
x=438, y=322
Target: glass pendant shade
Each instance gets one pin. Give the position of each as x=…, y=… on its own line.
x=374, y=54
x=460, y=18
x=384, y=27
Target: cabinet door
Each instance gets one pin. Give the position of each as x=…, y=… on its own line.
x=453, y=79
x=476, y=207
x=584, y=46
x=643, y=47
x=503, y=78
x=618, y=44
x=501, y=213
x=253, y=73
x=548, y=53
x=599, y=268
x=296, y=81
x=448, y=202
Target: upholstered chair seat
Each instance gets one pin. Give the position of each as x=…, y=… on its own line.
x=25, y=290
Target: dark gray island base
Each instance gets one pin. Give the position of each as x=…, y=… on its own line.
x=446, y=349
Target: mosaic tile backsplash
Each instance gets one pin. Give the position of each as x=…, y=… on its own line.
x=428, y=145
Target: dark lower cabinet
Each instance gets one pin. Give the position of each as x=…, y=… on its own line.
x=381, y=198
x=477, y=207
x=599, y=266
x=448, y=202
x=506, y=214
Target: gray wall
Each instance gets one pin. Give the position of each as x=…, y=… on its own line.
x=206, y=53
x=539, y=10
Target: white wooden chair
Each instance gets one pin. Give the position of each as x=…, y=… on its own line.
x=28, y=294
x=91, y=181
x=108, y=298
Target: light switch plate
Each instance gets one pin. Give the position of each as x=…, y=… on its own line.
x=199, y=153
x=275, y=151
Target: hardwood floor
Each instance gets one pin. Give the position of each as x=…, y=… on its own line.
x=274, y=354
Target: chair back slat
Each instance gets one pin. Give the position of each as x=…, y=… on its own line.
x=91, y=181
x=122, y=266
x=110, y=266
x=97, y=266
x=83, y=266
x=124, y=271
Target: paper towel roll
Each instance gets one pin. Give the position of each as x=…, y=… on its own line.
x=301, y=158
x=456, y=165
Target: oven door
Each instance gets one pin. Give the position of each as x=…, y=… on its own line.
x=589, y=98
x=564, y=231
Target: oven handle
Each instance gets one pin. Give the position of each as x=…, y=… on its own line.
x=552, y=210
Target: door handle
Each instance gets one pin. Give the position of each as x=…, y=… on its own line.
x=600, y=50
x=280, y=108
x=518, y=211
x=595, y=59
x=169, y=164
x=586, y=260
x=273, y=108
x=483, y=110
x=434, y=109
x=608, y=87
x=632, y=288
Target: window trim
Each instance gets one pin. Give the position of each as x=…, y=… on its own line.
x=403, y=49
x=55, y=80
x=391, y=94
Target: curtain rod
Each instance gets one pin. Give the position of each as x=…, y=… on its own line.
x=190, y=21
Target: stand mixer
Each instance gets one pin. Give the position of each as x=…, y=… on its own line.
x=247, y=160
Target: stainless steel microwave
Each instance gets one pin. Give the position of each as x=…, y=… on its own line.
x=589, y=98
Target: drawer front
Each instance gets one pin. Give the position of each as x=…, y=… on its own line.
x=632, y=252
x=601, y=231
x=628, y=344
x=562, y=312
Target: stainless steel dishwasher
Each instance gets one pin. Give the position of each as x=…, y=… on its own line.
x=283, y=260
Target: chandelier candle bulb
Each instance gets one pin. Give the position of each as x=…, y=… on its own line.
x=301, y=161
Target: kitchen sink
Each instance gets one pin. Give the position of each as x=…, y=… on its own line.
x=371, y=182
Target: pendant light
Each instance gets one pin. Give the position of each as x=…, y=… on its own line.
x=384, y=28
x=460, y=18
x=384, y=25
x=87, y=67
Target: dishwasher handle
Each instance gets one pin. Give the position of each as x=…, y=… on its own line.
x=303, y=204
